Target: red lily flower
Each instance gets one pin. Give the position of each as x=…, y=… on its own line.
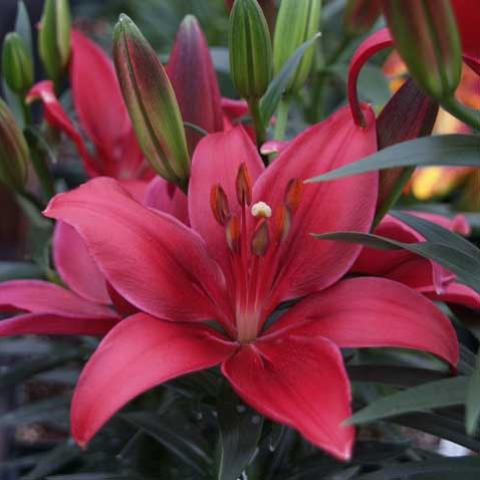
x=236, y=268
x=81, y=309
x=427, y=277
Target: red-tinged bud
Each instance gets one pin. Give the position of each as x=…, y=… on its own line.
x=268, y=7
x=409, y=114
x=297, y=22
x=219, y=205
x=260, y=239
x=194, y=81
x=233, y=234
x=293, y=195
x=14, y=153
x=151, y=103
x=54, y=38
x=360, y=16
x=17, y=64
x=426, y=37
x=244, y=186
x=250, y=49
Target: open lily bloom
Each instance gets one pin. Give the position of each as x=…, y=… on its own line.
x=81, y=309
x=248, y=250
x=425, y=276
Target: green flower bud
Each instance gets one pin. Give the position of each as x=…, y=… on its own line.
x=360, y=16
x=17, y=65
x=54, y=38
x=297, y=22
x=151, y=103
x=14, y=153
x=426, y=37
x=250, y=49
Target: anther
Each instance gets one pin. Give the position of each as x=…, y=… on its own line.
x=233, y=233
x=293, y=195
x=244, y=186
x=282, y=221
x=260, y=239
x=219, y=205
x=261, y=209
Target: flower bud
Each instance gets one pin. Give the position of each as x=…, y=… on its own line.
x=426, y=37
x=190, y=69
x=297, y=22
x=250, y=49
x=54, y=38
x=268, y=7
x=14, y=153
x=151, y=103
x=17, y=65
x=360, y=16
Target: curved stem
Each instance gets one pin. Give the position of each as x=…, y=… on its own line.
x=258, y=124
x=465, y=114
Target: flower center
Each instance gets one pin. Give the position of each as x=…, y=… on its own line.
x=253, y=236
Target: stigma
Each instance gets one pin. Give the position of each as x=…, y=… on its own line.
x=261, y=209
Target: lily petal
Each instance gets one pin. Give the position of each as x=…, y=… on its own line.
x=216, y=161
x=38, y=296
x=168, y=198
x=306, y=264
x=270, y=375
x=152, y=260
x=374, y=312
x=56, y=116
x=103, y=115
x=140, y=353
x=455, y=293
x=75, y=265
x=51, y=324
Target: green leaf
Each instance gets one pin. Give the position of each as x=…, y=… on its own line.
x=473, y=400
x=462, y=265
x=176, y=435
x=278, y=85
x=458, y=466
x=442, y=393
x=40, y=411
x=17, y=270
x=240, y=430
x=23, y=26
x=15, y=104
x=455, y=150
x=90, y=476
x=54, y=460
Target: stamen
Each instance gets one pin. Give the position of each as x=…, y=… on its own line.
x=260, y=239
x=233, y=234
x=244, y=186
x=293, y=195
x=282, y=221
x=261, y=209
x=219, y=205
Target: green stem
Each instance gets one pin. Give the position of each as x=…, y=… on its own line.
x=463, y=113
x=394, y=195
x=260, y=131
x=282, y=117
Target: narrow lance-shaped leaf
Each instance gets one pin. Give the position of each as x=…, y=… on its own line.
x=473, y=400
x=151, y=103
x=23, y=26
x=240, y=430
x=442, y=393
x=442, y=150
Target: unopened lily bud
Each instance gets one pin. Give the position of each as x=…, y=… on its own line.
x=250, y=49
x=297, y=22
x=17, y=65
x=426, y=37
x=54, y=38
x=14, y=153
x=151, y=103
x=360, y=16
x=190, y=69
x=268, y=7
